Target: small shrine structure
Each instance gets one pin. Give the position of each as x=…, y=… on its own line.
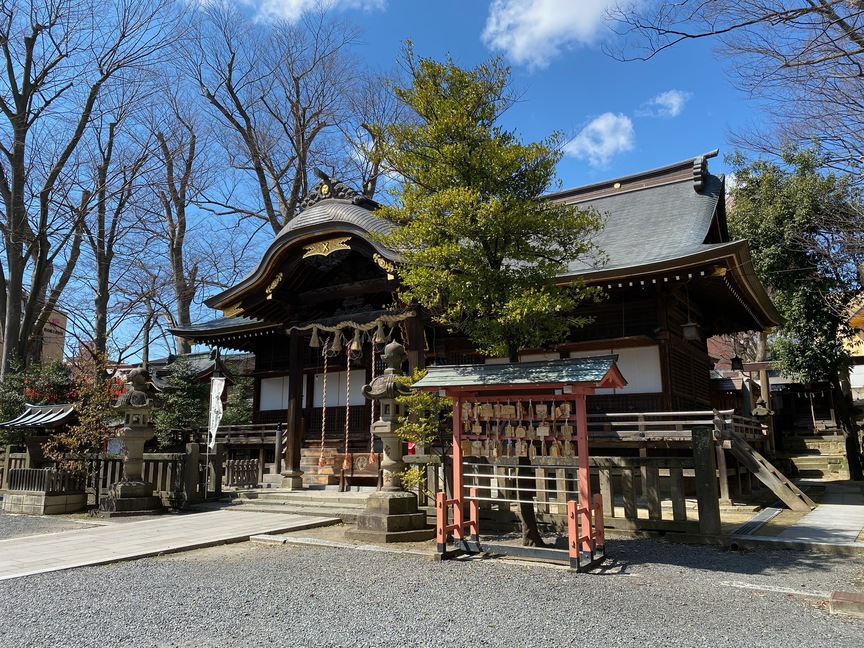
x=502, y=413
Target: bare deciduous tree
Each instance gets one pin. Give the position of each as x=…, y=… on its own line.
x=280, y=92
x=59, y=56
x=803, y=58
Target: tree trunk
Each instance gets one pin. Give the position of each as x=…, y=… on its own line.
x=525, y=492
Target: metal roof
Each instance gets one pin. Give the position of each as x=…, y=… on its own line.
x=596, y=371
x=653, y=224
x=42, y=416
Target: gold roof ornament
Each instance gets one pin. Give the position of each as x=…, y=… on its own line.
x=326, y=248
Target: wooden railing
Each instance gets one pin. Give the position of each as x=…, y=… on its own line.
x=650, y=491
x=241, y=472
x=11, y=461
x=45, y=480
x=667, y=426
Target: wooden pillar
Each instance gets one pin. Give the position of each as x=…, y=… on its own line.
x=295, y=413
x=706, y=480
x=584, y=471
x=457, y=468
x=415, y=345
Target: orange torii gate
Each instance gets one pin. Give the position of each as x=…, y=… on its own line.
x=489, y=417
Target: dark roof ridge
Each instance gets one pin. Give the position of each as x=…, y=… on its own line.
x=697, y=165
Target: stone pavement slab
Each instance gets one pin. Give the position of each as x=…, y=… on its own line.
x=839, y=518
x=125, y=541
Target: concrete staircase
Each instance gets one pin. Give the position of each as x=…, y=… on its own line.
x=817, y=457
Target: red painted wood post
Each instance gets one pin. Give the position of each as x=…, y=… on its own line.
x=584, y=470
x=599, y=532
x=573, y=533
x=441, y=521
x=474, y=514
x=457, y=470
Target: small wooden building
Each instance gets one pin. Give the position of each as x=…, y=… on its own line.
x=673, y=277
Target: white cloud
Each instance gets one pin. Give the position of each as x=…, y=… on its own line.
x=665, y=104
x=533, y=32
x=293, y=9
x=603, y=137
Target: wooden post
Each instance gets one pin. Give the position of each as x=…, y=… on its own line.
x=190, y=469
x=723, y=474
x=584, y=468
x=261, y=459
x=294, y=421
x=676, y=487
x=7, y=460
x=706, y=480
x=457, y=469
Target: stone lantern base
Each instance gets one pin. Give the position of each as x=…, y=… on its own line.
x=392, y=517
x=130, y=498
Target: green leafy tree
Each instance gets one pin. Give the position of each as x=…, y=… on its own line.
x=480, y=247
x=69, y=448
x=804, y=228
x=181, y=407
x=238, y=405
x=37, y=385
x=426, y=423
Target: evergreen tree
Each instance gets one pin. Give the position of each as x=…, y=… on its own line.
x=803, y=225
x=181, y=407
x=480, y=247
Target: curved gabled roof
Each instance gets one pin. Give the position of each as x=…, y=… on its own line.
x=326, y=218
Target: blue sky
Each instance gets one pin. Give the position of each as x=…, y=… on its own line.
x=624, y=117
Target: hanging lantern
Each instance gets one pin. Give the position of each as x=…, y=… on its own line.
x=314, y=342
x=690, y=331
x=737, y=364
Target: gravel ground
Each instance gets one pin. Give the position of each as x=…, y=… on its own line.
x=650, y=593
x=16, y=526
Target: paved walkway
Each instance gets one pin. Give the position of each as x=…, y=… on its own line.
x=836, y=522
x=839, y=518
x=124, y=541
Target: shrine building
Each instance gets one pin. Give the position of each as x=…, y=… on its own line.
x=672, y=278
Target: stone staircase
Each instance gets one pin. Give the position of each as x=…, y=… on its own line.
x=817, y=457
x=328, y=502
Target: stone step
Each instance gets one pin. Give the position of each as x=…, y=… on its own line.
x=346, y=514
x=305, y=497
x=834, y=444
x=835, y=466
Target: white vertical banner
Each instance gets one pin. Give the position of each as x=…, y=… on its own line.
x=217, y=386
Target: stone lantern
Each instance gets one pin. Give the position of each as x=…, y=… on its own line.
x=132, y=495
x=386, y=390
x=391, y=513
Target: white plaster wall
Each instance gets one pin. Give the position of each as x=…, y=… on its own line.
x=640, y=367
x=274, y=393
x=336, y=388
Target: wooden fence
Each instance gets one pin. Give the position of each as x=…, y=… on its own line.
x=45, y=480
x=11, y=461
x=241, y=472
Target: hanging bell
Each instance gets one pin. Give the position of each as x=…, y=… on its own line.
x=314, y=342
x=356, y=343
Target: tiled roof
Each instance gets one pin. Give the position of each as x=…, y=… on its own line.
x=41, y=416
x=335, y=211
x=591, y=370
